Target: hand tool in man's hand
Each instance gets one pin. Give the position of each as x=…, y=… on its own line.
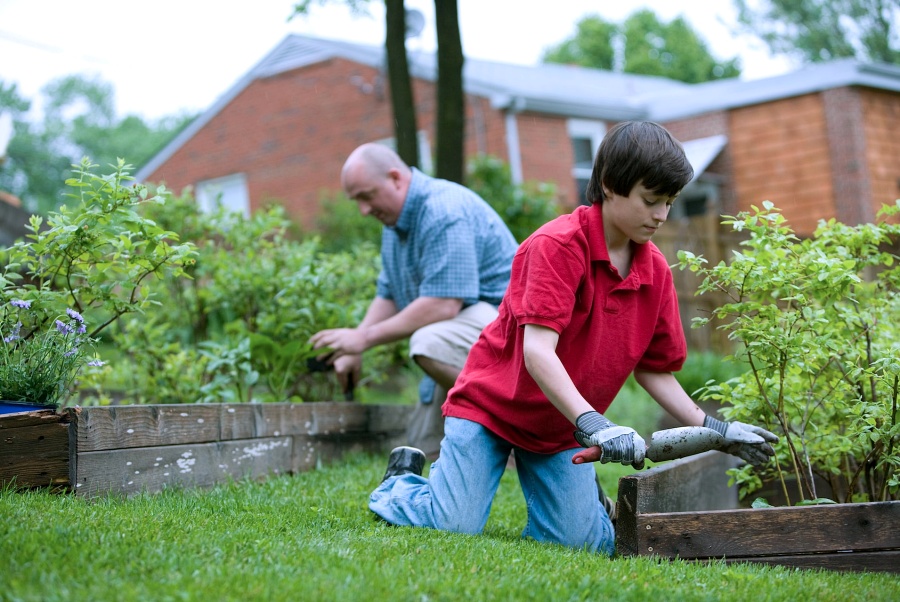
x=324, y=364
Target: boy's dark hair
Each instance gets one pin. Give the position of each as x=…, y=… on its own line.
x=635, y=152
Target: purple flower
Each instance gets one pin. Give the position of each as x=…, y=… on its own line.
x=71, y=352
x=96, y=363
x=64, y=328
x=14, y=335
x=75, y=316
x=21, y=303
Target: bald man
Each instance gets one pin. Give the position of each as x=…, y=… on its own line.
x=446, y=259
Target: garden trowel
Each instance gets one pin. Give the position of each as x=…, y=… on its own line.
x=683, y=441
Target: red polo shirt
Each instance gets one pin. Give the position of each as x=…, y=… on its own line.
x=562, y=278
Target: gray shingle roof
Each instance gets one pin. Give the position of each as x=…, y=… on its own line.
x=569, y=91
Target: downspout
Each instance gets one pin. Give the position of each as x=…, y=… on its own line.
x=512, y=140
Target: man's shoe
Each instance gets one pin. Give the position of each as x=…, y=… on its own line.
x=404, y=460
x=608, y=504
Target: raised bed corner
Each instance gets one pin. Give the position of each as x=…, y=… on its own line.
x=130, y=449
x=685, y=509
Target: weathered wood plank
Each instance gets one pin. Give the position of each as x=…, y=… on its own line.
x=104, y=428
x=886, y=561
x=123, y=427
x=20, y=419
x=689, y=484
x=313, y=451
x=36, y=455
x=134, y=470
x=767, y=531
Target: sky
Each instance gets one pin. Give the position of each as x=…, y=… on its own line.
x=164, y=57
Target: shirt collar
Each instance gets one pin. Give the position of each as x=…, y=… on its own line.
x=415, y=198
x=642, y=262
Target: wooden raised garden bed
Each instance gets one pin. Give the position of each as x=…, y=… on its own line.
x=129, y=449
x=685, y=509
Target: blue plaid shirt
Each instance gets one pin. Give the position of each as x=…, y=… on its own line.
x=448, y=242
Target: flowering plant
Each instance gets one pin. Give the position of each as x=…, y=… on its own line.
x=40, y=359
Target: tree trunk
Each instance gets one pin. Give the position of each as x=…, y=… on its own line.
x=402, y=102
x=449, y=161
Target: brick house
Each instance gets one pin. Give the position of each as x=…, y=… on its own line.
x=820, y=142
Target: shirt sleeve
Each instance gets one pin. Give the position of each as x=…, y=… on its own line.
x=545, y=279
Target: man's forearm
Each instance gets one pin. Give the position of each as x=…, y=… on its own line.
x=401, y=325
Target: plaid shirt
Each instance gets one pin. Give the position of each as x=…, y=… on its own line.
x=448, y=242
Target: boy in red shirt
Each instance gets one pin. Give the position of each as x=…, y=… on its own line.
x=591, y=300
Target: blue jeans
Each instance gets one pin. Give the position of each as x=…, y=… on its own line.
x=562, y=498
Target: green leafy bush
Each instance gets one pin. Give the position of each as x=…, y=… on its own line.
x=524, y=208
x=816, y=320
x=98, y=261
x=240, y=326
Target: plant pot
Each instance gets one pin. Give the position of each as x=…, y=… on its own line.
x=14, y=407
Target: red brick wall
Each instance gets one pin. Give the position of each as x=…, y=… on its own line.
x=289, y=134
x=781, y=154
x=881, y=123
x=547, y=154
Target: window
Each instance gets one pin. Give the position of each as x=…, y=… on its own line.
x=229, y=192
x=585, y=137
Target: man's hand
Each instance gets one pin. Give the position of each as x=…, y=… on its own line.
x=749, y=443
x=617, y=443
x=342, y=341
x=347, y=369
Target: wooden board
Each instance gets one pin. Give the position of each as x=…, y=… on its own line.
x=766, y=531
x=134, y=470
x=106, y=428
x=35, y=455
x=696, y=483
x=680, y=510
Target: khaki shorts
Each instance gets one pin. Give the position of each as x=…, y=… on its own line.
x=449, y=341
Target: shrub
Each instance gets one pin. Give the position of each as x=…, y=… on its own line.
x=524, y=208
x=816, y=321
x=97, y=261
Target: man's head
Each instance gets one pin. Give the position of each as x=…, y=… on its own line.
x=377, y=179
x=638, y=152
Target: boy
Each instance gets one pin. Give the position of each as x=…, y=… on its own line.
x=590, y=301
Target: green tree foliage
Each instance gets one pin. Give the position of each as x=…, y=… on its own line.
x=79, y=121
x=823, y=30
x=650, y=47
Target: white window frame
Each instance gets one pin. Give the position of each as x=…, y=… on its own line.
x=230, y=192
x=591, y=130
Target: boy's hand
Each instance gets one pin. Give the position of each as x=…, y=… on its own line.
x=749, y=443
x=618, y=443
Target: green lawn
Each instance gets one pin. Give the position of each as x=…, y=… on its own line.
x=310, y=537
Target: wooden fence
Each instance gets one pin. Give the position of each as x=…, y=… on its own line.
x=701, y=235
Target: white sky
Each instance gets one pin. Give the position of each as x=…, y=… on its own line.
x=165, y=56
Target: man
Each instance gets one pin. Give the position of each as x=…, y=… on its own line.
x=446, y=258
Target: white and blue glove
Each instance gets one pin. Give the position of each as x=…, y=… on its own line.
x=619, y=444
x=747, y=442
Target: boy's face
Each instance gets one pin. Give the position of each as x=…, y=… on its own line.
x=635, y=217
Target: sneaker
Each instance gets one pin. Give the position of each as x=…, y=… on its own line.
x=608, y=504
x=404, y=460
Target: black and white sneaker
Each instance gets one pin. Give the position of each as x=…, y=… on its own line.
x=404, y=460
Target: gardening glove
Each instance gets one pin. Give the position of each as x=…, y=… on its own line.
x=618, y=443
x=749, y=443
